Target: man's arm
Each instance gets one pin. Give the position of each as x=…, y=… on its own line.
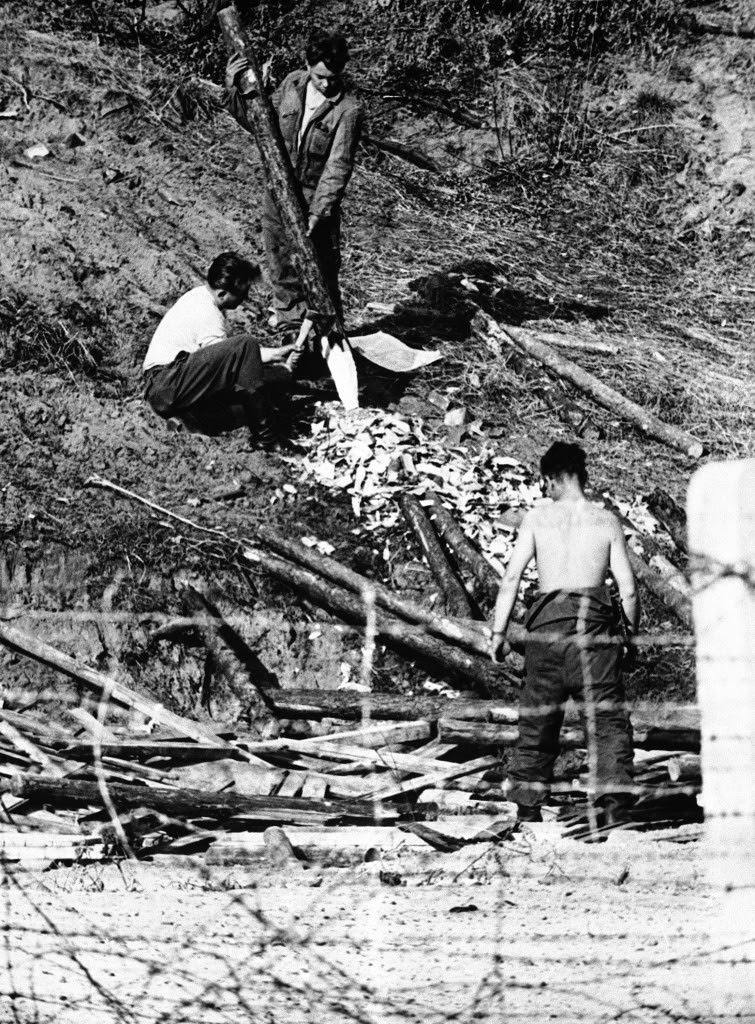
x=339, y=165
x=622, y=573
x=234, y=100
x=521, y=556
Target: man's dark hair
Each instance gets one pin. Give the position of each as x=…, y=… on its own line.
x=564, y=459
x=328, y=47
x=232, y=273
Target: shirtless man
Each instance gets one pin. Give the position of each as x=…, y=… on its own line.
x=574, y=543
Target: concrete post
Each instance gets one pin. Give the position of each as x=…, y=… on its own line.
x=721, y=525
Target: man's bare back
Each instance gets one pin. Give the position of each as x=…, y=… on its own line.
x=572, y=544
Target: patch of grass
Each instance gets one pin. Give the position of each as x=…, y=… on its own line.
x=33, y=339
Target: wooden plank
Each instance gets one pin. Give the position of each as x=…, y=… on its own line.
x=96, y=729
x=291, y=785
x=377, y=734
x=432, y=780
x=491, y=736
x=314, y=788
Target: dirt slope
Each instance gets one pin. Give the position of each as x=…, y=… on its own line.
x=144, y=181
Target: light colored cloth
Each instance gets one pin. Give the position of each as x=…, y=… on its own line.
x=191, y=323
x=384, y=350
x=313, y=100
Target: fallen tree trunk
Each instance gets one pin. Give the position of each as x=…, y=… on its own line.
x=351, y=705
x=197, y=803
x=453, y=594
x=467, y=634
x=404, y=638
x=704, y=26
x=237, y=662
x=668, y=584
x=492, y=736
x=669, y=595
x=570, y=341
x=487, y=328
x=486, y=579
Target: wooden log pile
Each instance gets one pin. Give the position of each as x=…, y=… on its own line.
x=96, y=789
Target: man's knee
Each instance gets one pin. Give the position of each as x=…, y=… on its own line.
x=159, y=401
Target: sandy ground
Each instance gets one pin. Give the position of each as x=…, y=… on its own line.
x=538, y=928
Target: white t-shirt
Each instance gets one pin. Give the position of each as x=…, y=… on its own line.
x=190, y=324
x=313, y=100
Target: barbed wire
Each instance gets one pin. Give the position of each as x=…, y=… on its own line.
x=279, y=967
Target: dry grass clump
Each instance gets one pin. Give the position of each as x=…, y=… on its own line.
x=33, y=339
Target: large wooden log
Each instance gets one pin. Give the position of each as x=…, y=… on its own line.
x=487, y=328
x=350, y=705
x=573, y=341
x=287, y=195
x=439, y=657
x=665, y=592
x=142, y=750
x=434, y=779
x=665, y=582
x=486, y=580
x=470, y=634
x=493, y=736
x=454, y=597
x=196, y=803
x=685, y=768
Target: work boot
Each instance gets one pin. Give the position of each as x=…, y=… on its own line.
x=614, y=812
x=261, y=425
x=528, y=812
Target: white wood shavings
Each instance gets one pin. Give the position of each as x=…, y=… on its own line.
x=376, y=456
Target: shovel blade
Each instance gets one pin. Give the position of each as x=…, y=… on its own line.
x=340, y=360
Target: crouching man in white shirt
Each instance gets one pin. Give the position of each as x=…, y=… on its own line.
x=195, y=372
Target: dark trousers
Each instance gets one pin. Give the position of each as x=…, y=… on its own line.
x=289, y=298
x=591, y=675
x=216, y=388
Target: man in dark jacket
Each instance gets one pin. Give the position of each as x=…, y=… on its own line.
x=321, y=123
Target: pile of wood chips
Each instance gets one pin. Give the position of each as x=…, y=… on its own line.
x=375, y=456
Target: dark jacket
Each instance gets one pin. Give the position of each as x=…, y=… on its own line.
x=324, y=161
